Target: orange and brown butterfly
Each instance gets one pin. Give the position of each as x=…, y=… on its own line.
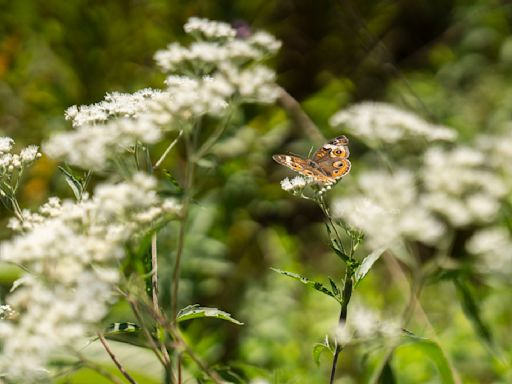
x=329, y=163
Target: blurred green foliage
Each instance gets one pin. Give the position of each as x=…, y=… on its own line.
x=449, y=61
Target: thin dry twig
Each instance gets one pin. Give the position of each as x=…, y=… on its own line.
x=196, y=359
x=114, y=359
x=154, y=273
x=160, y=352
x=99, y=369
x=299, y=117
x=166, y=152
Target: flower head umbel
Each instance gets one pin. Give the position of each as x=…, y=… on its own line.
x=209, y=77
x=460, y=187
x=295, y=185
x=12, y=167
x=71, y=251
x=384, y=123
x=386, y=207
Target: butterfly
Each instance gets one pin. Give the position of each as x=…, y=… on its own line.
x=329, y=163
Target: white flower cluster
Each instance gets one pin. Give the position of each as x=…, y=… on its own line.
x=207, y=77
x=209, y=29
x=6, y=312
x=493, y=246
x=31, y=219
x=72, y=258
x=232, y=61
x=11, y=162
x=204, y=56
x=386, y=207
x=297, y=184
x=364, y=325
x=93, y=146
x=114, y=105
x=459, y=187
x=383, y=123
x=498, y=154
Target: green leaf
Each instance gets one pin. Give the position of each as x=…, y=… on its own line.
x=310, y=283
x=433, y=351
x=367, y=264
x=472, y=311
x=335, y=289
x=125, y=327
x=337, y=249
x=175, y=188
x=73, y=182
x=319, y=348
x=195, y=311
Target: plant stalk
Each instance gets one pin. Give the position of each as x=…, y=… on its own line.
x=346, y=295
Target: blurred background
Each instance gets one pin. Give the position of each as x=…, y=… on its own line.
x=448, y=61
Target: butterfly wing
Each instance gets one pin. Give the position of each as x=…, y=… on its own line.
x=337, y=147
x=332, y=157
x=305, y=167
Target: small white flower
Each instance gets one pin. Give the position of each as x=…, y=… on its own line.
x=6, y=312
x=493, y=246
x=5, y=144
x=209, y=29
x=29, y=154
x=296, y=184
x=265, y=42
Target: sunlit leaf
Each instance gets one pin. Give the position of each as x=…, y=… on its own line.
x=319, y=348
x=367, y=264
x=434, y=352
x=73, y=182
x=195, y=311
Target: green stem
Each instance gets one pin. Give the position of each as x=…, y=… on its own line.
x=346, y=295
x=189, y=180
x=325, y=210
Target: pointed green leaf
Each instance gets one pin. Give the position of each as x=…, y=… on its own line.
x=387, y=376
x=335, y=289
x=195, y=311
x=125, y=327
x=472, y=311
x=367, y=264
x=317, y=352
x=73, y=182
x=319, y=348
x=337, y=249
x=313, y=284
x=433, y=351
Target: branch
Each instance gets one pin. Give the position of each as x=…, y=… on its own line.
x=298, y=116
x=347, y=293
x=114, y=359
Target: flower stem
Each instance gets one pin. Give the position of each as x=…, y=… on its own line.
x=346, y=295
x=115, y=360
